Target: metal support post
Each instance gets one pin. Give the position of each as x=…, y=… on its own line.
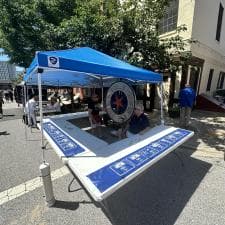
x=47, y=183
x=161, y=103
x=41, y=111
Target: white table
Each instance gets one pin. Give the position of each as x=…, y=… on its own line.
x=103, y=168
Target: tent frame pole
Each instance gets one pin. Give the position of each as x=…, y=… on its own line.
x=28, y=108
x=161, y=103
x=41, y=112
x=102, y=93
x=24, y=110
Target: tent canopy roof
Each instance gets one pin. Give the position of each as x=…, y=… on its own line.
x=84, y=67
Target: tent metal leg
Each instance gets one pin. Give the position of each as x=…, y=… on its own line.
x=77, y=179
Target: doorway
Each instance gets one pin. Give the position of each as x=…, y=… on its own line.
x=194, y=77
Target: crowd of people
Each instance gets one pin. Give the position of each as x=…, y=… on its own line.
x=32, y=106
x=138, y=123
x=5, y=95
x=8, y=94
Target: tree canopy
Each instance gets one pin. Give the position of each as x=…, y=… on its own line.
x=124, y=29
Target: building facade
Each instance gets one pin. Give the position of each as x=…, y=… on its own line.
x=205, y=22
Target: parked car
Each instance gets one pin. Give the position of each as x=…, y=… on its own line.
x=219, y=95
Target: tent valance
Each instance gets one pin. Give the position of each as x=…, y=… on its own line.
x=84, y=67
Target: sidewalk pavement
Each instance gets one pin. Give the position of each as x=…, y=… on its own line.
x=11, y=105
x=11, y=111
x=209, y=128
x=181, y=189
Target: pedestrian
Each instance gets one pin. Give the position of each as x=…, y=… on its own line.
x=93, y=114
x=1, y=103
x=186, y=101
x=54, y=105
x=6, y=94
x=30, y=110
x=138, y=124
x=11, y=95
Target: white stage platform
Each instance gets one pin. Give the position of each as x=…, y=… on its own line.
x=103, y=168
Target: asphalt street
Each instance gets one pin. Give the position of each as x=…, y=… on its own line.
x=181, y=189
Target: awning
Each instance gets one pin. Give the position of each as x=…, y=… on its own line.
x=84, y=67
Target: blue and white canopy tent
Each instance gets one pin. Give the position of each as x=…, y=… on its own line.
x=100, y=172
x=83, y=67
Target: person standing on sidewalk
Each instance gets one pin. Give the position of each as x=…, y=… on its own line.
x=30, y=110
x=1, y=103
x=186, y=101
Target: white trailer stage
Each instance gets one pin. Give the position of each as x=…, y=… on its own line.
x=103, y=168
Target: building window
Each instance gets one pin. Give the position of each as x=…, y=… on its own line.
x=221, y=80
x=219, y=22
x=209, y=80
x=169, y=20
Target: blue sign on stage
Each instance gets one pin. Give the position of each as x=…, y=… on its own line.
x=68, y=146
x=111, y=174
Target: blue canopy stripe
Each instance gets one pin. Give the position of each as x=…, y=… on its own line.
x=85, y=67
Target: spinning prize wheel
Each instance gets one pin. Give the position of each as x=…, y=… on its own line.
x=120, y=102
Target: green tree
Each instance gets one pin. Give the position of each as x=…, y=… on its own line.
x=140, y=21
x=125, y=29
x=29, y=26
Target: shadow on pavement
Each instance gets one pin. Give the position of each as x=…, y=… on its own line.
x=209, y=128
x=158, y=196
x=4, y=133
x=66, y=205
x=8, y=115
x=11, y=114
x=69, y=205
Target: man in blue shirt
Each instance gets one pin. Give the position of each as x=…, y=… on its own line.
x=138, y=124
x=186, y=99
x=139, y=121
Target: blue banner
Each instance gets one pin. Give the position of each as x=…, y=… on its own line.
x=111, y=174
x=68, y=146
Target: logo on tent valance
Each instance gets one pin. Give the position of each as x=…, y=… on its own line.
x=53, y=61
